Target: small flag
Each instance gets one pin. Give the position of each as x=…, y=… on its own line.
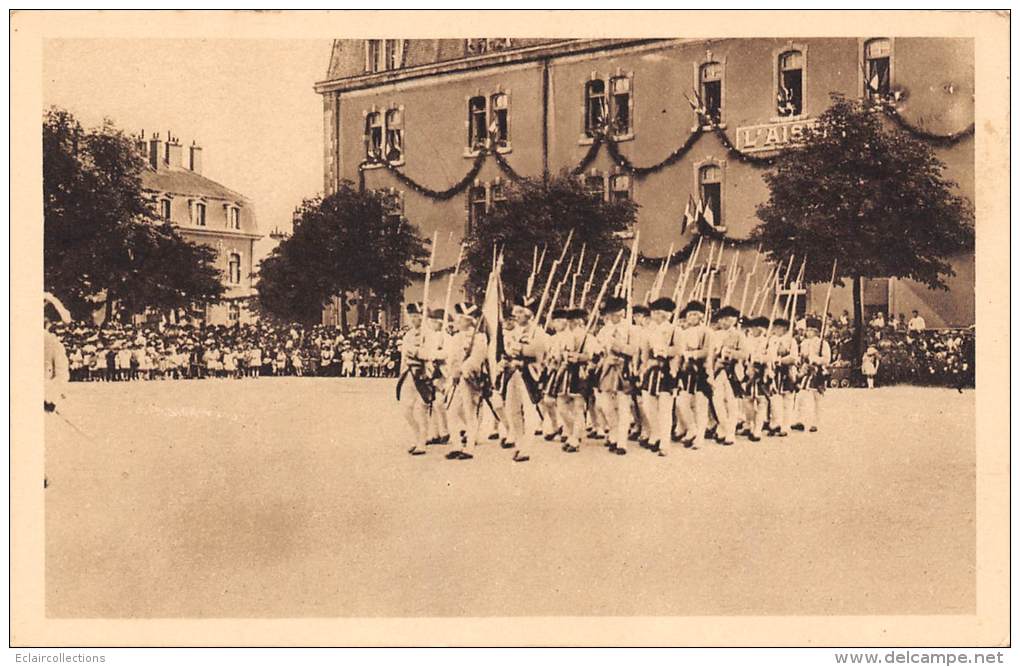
x=688, y=218
x=709, y=217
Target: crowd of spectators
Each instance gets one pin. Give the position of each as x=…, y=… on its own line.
x=118, y=352
x=906, y=351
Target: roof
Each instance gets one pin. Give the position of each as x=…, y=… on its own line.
x=178, y=180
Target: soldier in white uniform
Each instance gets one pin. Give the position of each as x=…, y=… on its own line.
x=416, y=406
x=756, y=404
x=553, y=366
x=639, y=336
x=619, y=347
x=815, y=355
x=782, y=359
x=468, y=375
x=581, y=346
x=728, y=356
x=693, y=390
x=657, y=383
x=523, y=346
x=434, y=352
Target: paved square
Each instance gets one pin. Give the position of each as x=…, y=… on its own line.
x=296, y=498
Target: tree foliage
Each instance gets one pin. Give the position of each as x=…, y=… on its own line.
x=541, y=213
x=350, y=241
x=868, y=195
x=101, y=238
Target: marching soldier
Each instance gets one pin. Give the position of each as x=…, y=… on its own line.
x=816, y=355
x=553, y=362
x=755, y=389
x=574, y=384
x=639, y=334
x=523, y=348
x=782, y=358
x=728, y=353
x=418, y=400
x=620, y=351
x=434, y=352
x=471, y=385
x=694, y=390
x=657, y=383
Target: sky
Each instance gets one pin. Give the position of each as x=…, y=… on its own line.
x=248, y=103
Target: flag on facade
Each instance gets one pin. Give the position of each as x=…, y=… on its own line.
x=689, y=217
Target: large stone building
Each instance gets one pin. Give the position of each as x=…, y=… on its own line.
x=426, y=106
x=205, y=212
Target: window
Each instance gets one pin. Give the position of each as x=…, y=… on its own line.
x=595, y=186
x=620, y=122
x=198, y=213
x=164, y=209
x=477, y=127
x=233, y=311
x=394, y=136
x=476, y=205
x=498, y=196
x=233, y=217
x=710, y=76
x=710, y=186
x=499, y=127
x=372, y=52
x=877, y=67
x=234, y=269
x=790, y=95
x=393, y=208
x=596, y=107
x=373, y=135
x=619, y=187
x=394, y=50
x=479, y=45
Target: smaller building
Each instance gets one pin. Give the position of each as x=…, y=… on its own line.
x=207, y=212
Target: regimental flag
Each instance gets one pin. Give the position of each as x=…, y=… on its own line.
x=494, y=129
x=490, y=323
x=689, y=218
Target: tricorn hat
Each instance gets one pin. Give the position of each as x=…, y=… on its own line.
x=641, y=310
x=437, y=313
x=813, y=323
x=780, y=322
x=728, y=311
x=695, y=307
x=559, y=313
x=663, y=303
x=613, y=304
x=576, y=314
x=466, y=309
x=525, y=301
x=414, y=308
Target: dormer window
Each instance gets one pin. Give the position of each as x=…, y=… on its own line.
x=233, y=217
x=383, y=54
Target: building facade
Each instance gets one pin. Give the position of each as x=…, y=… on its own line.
x=427, y=107
x=205, y=212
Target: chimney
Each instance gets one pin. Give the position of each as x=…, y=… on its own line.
x=196, y=158
x=141, y=145
x=174, y=153
x=155, y=152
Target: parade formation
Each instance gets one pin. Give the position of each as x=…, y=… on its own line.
x=609, y=369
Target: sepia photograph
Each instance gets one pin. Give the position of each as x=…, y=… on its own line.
x=609, y=327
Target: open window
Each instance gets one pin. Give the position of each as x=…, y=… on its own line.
x=499, y=125
x=373, y=135
x=596, y=107
x=476, y=206
x=790, y=92
x=710, y=76
x=477, y=127
x=619, y=187
x=164, y=209
x=394, y=136
x=710, y=189
x=877, y=67
x=620, y=109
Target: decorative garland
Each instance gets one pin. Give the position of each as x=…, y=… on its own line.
x=943, y=140
x=624, y=163
x=505, y=167
x=733, y=151
x=589, y=157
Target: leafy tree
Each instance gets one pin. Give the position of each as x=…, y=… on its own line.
x=541, y=213
x=101, y=238
x=868, y=195
x=347, y=242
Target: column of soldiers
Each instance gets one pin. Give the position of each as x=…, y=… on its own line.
x=652, y=374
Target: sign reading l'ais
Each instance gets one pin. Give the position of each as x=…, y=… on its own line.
x=773, y=136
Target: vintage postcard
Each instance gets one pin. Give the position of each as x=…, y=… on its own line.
x=603, y=328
